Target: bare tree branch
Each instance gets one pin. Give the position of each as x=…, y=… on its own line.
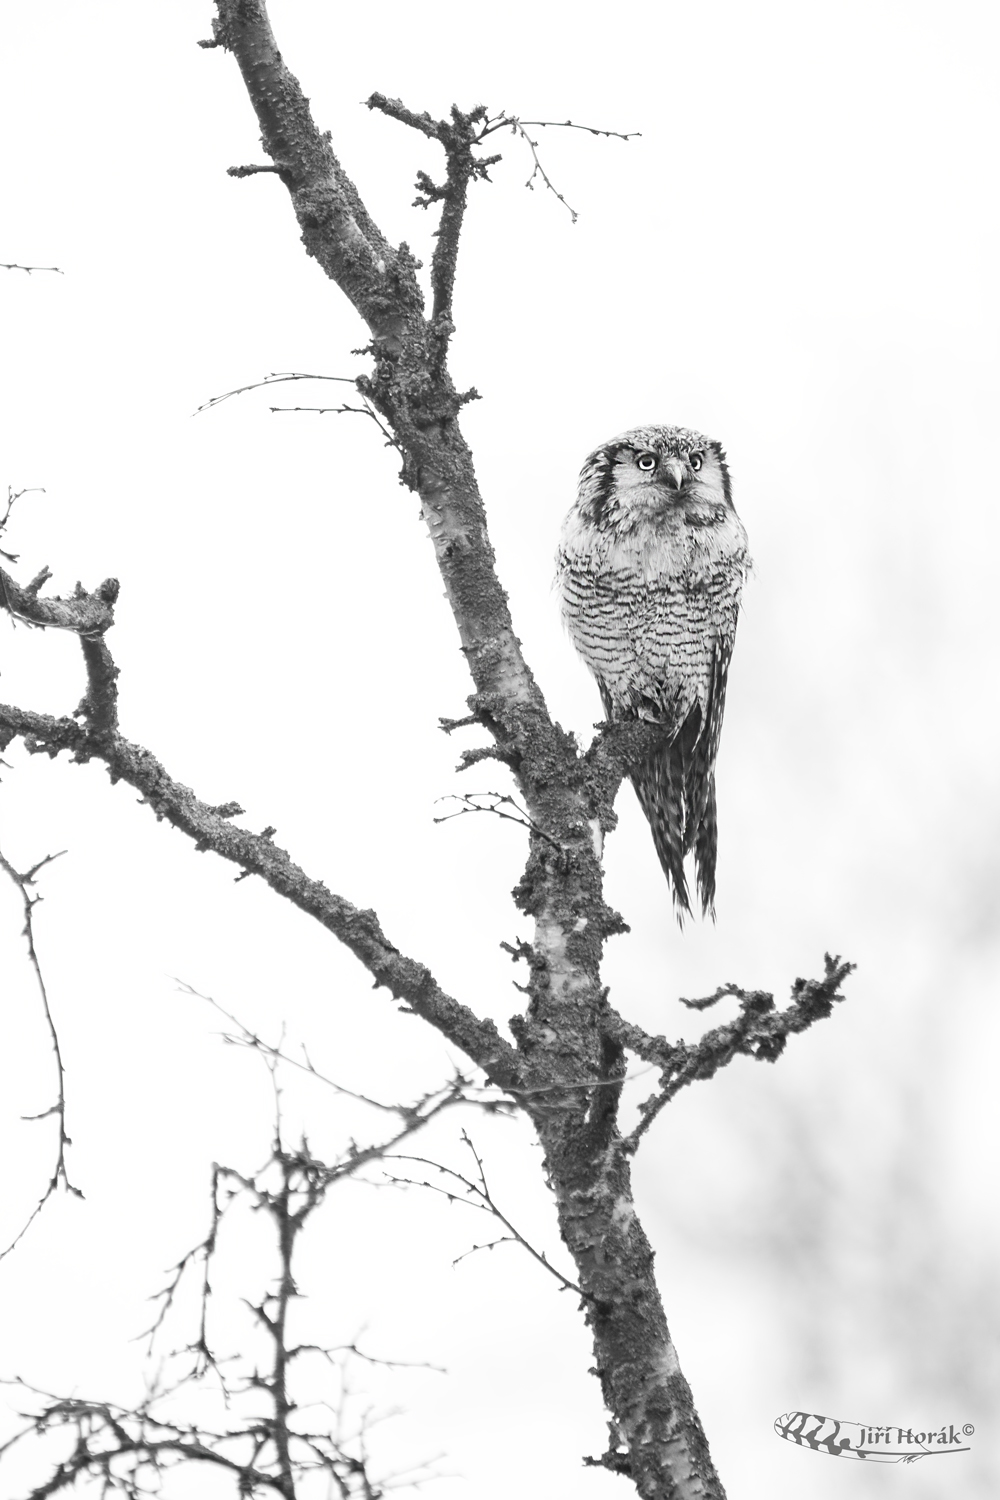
x=568, y=1067
x=211, y=828
x=336, y=227
x=410, y=386
x=759, y=1031
x=16, y=266
x=85, y=614
x=458, y=137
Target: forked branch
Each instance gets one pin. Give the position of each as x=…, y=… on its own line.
x=759, y=1031
x=212, y=828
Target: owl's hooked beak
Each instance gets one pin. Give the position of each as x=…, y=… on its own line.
x=675, y=471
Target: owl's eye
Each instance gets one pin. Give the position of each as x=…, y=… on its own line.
x=696, y=460
x=646, y=462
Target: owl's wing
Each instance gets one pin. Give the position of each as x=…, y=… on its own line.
x=675, y=786
x=702, y=831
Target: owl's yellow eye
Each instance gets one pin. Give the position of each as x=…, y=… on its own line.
x=647, y=462
x=696, y=460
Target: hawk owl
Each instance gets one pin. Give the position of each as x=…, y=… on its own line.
x=650, y=568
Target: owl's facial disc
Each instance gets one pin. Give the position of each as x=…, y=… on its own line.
x=657, y=480
x=649, y=474
x=663, y=474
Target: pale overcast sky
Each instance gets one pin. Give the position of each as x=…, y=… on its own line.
x=798, y=256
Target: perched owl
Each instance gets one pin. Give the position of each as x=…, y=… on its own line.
x=651, y=564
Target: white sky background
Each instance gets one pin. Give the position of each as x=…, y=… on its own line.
x=798, y=256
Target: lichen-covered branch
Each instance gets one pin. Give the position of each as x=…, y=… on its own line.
x=336, y=227
x=211, y=828
x=85, y=614
x=458, y=137
x=410, y=384
x=759, y=1031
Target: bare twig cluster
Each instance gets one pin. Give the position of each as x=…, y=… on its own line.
x=285, y=1444
x=269, y=1440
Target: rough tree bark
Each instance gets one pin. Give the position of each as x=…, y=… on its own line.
x=568, y=1062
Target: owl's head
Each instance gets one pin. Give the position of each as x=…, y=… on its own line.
x=651, y=471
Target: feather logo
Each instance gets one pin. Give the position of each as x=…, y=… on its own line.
x=863, y=1440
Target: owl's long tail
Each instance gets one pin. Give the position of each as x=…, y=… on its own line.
x=676, y=790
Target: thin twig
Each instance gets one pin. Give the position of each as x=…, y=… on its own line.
x=475, y=802
x=516, y=125
x=497, y=122
x=275, y=378
x=477, y=1195
x=60, y=1174
x=460, y=1089
x=359, y=411
x=538, y=170
x=16, y=266
x=12, y=497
